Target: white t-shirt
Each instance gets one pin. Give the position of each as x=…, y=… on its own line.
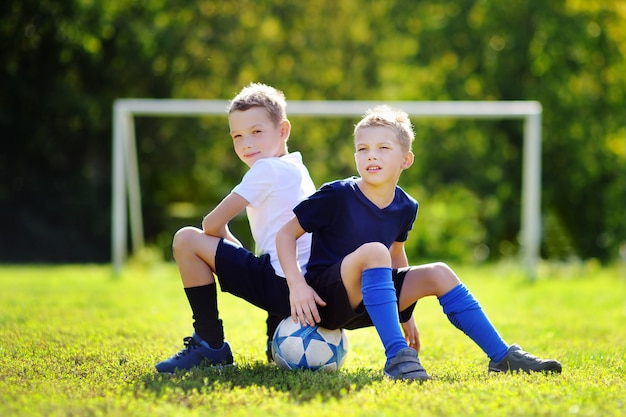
x=273, y=187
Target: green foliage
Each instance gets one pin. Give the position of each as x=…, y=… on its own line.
x=77, y=341
x=448, y=230
x=65, y=62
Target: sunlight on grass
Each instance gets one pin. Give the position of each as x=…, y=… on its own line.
x=75, y=340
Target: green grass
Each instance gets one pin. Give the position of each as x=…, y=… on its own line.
x=75, y=341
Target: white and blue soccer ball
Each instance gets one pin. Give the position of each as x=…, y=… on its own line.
x=311, y=347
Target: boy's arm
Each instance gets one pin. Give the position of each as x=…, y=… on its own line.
x=216, y=222
x=398, y=255
x=411, y=334
x=302, y=297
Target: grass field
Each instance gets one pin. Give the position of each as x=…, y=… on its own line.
x=76, y=341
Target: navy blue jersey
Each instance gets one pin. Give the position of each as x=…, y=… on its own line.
x=342, y=219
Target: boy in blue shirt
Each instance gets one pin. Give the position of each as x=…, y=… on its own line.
x=274, y=184
x=358, y=273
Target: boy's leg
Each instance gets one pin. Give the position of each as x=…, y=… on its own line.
x=240, y=272
x=462, y=309
x=194, y=252
x=272, y=323
x=366, y=274
x=253, y=279
x=206, y=322
x=379, y=299
x=465, y=313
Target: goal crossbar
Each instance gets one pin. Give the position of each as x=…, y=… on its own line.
x=126, y=197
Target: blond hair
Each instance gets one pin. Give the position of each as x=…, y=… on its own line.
x=261, y=95
x=397, y=120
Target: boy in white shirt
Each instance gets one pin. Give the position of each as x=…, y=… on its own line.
x=275, y=183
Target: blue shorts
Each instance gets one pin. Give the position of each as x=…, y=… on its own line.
x=338, y=313
x=245, y=275
x=252, y=278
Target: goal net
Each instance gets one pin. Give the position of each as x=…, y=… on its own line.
x=126, y=196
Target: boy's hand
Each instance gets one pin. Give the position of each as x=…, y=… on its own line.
x=304, y=301
x=411, y=334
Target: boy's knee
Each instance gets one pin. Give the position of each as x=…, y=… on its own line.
x=444, y=274
x=375, y=252
x=183, y=239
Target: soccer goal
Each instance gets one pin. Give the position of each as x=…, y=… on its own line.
x=126, y=195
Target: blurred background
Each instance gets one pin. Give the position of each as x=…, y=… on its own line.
x=63, y=63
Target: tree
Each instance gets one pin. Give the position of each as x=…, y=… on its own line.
x=64, y=63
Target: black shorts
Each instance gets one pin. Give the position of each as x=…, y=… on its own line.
x=338, y=313
x=252, y=278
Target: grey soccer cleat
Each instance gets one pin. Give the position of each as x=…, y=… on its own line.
x=517, y=360
x=406, y=365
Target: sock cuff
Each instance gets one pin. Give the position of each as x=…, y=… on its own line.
x=377, y=286
x=458, y=299
x=374, y=275
x=454, y=294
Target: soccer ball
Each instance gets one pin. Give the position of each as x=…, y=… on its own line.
x=311, y=347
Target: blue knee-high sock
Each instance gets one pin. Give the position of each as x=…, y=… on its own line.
x=464, y=311
x=381, y=303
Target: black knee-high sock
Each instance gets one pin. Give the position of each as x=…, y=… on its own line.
x=203, y=302
x=272, y=322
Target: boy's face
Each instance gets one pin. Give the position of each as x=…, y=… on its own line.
x=379, y=157
x=255, y=136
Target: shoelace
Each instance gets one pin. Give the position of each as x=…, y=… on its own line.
x=190, y=344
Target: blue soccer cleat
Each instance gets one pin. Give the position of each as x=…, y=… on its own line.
x=197, y=352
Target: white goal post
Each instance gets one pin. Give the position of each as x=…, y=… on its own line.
x=126, y=196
